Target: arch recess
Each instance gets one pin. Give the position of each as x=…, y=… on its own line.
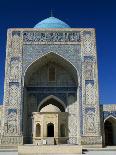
x=109, y=130
x=52, y=57
x=38, y=69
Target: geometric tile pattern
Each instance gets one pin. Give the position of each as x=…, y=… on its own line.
x=91, y=119
x=87, y=43
x=89, y=88
x=16, y=44
x=88, y=72
x=13, y=94
x=12, y=98
x=14, y=70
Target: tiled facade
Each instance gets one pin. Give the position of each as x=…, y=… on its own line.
x=75, y=51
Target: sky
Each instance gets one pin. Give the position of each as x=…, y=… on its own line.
x=99, y=14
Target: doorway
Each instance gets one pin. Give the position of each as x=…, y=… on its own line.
x=50, y=130
x=108, y=133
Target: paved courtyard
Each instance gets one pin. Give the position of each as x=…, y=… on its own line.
x=86, y=153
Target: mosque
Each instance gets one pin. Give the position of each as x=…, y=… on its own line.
x=51, y=92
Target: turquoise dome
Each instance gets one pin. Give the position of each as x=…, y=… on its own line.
x=51, y=22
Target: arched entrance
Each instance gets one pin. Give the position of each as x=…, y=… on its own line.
x=51, y=75
x=110, y=131
x=50, y=130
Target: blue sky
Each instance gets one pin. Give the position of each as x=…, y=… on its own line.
x=100, y=14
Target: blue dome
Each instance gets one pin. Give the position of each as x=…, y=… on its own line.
x=51, y=22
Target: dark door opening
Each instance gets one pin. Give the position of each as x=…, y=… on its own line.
x=108, y=133
x=50, y=130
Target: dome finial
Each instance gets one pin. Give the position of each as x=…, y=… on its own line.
x=51, y=13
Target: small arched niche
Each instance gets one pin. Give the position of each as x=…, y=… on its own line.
x=38, y=130
x=109, y=129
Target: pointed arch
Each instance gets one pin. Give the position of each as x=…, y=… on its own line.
x=51, y=97
x=109, y=117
